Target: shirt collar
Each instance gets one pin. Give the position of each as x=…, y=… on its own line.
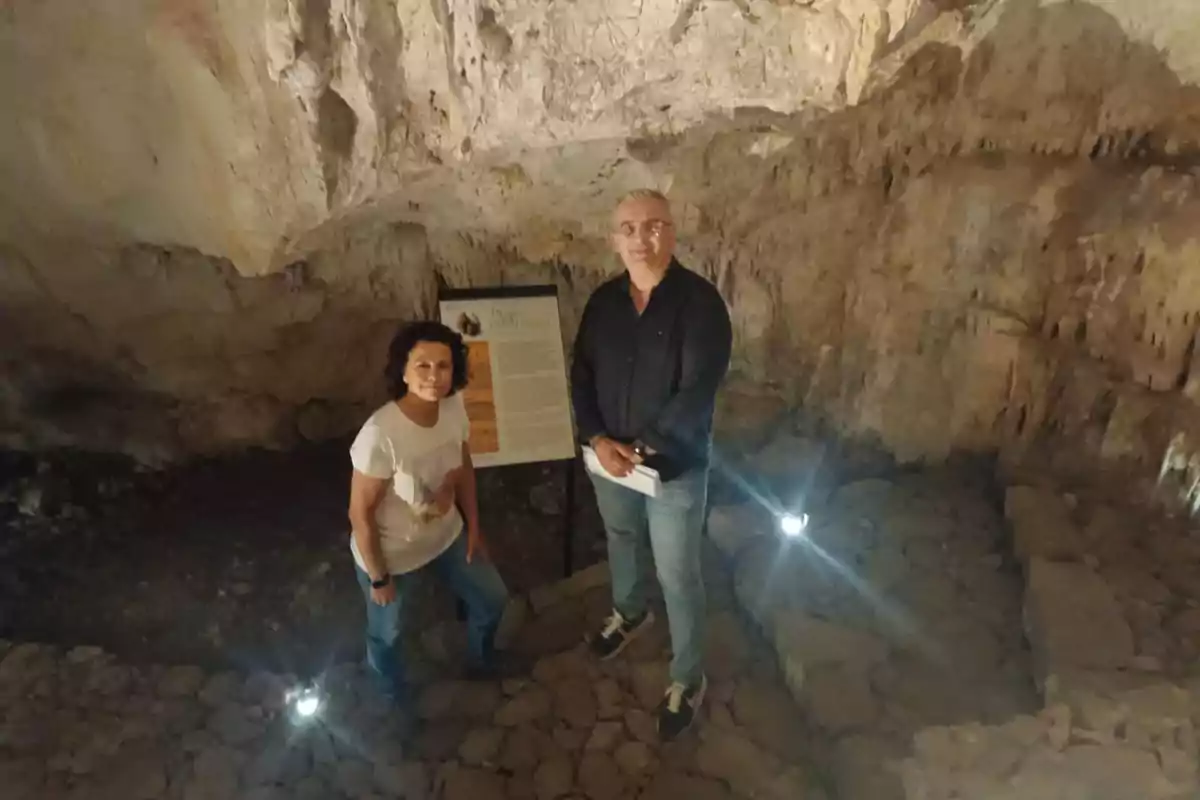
x=668, y=277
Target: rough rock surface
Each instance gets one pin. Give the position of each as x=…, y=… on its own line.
x=897, y=623
x=1074, y=619
x=315, y=108
x=1109, y=600
x=922, y=262
x=1124, y=599
x=1117, y=744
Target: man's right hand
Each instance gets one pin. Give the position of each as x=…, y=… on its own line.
x=616, y=458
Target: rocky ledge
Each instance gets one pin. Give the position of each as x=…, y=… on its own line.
x=958, y=642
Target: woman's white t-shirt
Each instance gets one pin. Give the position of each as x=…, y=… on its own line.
x=415, y=460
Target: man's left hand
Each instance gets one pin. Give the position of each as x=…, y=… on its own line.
x=476, y=546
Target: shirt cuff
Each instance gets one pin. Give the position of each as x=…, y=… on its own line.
x=587, y=434
x=659, y=444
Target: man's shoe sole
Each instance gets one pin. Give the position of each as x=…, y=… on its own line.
x=646, y=622
x=695, y=714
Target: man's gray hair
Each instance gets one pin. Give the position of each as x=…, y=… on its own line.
x=644, y=194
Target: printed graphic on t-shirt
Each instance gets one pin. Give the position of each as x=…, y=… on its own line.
x=418, y=478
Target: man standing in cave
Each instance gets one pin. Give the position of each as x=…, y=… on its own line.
x=652, y=350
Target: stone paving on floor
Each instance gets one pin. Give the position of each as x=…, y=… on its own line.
x=81, y=724
x=883, y=656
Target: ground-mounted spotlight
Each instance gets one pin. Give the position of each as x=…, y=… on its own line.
x=304, y=703
x=793, y=525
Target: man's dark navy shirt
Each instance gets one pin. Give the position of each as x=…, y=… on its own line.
x=653, y=376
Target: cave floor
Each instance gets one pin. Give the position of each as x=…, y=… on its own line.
x=157, y=619
x=81, y=723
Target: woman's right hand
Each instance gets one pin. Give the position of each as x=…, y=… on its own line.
x=384, y=596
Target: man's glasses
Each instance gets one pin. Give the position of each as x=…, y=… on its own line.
x=654, y=228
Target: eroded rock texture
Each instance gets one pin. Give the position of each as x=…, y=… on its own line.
x=234, y=127
x=946, y=225
x=1109, y=609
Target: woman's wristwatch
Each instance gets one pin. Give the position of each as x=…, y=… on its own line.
x=382, y=582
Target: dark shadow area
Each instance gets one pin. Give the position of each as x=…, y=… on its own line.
x=240, y=561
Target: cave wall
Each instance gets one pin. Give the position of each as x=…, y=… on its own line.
x=990, y=251
x=955, y=264
x=160, y=352
x=235, y=126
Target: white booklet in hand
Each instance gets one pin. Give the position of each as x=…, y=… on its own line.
x=641, y=479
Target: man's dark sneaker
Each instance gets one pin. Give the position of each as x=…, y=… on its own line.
x=617, y=633
x=679, y=708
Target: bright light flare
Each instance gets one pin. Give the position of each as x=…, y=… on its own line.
x=305, y=702
x=307, y=706
x=793, y=525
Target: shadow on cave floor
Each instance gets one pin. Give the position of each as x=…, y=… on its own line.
x=240, y=561
x=243, y=561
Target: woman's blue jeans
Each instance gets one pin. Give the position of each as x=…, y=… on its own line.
x=478, y=584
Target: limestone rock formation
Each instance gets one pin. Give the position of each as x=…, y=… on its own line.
x=237, y=128
x=959, y=225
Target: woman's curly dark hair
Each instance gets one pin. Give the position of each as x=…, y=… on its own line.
x=406, y=339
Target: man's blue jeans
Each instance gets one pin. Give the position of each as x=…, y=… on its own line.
x=674, y=521
x=477, y=584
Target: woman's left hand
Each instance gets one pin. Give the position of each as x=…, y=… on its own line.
x=476, y=546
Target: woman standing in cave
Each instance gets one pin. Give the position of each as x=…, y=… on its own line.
x=412, y=494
